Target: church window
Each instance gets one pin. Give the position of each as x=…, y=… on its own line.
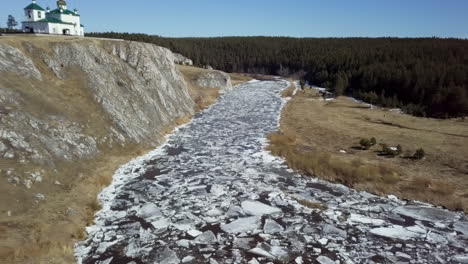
x=29, y=14
x=39, y=14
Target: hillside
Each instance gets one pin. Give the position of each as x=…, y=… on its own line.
x=423, y=76
x=71, y=111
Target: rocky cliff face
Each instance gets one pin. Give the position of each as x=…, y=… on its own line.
x=68, y=100
x=71, y=111
x=218, y=79
x=182, y=60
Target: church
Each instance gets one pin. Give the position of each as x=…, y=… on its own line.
x=60, y=21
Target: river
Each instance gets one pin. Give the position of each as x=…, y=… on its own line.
x=212, y=194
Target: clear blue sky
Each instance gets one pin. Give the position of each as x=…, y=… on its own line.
x=297, y=18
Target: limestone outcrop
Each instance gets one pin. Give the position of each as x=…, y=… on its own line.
x=215, y=79
x=182, y=60
x=67, y=100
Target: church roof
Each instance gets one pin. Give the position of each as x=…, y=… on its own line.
x=34, y=6
x=54, y=20
x=64, y=12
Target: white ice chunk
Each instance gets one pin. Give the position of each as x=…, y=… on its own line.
x=272, y=227
x=396, y=232
x=214, y=212
x=258, y=208
x=262, y=253
x=242, y=225
x=461, y=227
x=149, y=211
x=461, y=259
x=161, y=224
x=325, y=260
x=426, y=213
x=298, y=260
x=217, y=190
x=194, y=233
x=254, y=261
x=361, y=219
x=167, y=256
x=207, y=238
x=188, y=259
x=323, y=241
x=183, y=243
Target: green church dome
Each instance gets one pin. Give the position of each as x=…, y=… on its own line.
x=61, y=3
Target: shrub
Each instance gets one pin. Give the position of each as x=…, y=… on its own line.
x=419, y=154
x=365, y=143
x=399, y=149
x=302, y=83
x=373, y=141
x=393, y=152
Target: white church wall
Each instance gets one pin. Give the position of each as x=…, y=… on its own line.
x=70, y=19
x=38, y=27
x=34, y=15
x=59, y=28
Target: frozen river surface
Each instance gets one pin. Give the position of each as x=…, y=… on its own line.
x=213, y=195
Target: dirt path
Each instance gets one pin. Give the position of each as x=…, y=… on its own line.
x=213, y=195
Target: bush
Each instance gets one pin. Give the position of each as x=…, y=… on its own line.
x=391, y=151
x=419, y=154
x=366, y=143
x=399, y=149
x=302, y=83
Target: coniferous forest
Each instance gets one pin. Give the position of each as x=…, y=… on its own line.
x=424, y=76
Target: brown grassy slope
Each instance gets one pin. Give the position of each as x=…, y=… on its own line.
x=45, y=232
x=313, y=132
x=289, y=92
x=239, y=78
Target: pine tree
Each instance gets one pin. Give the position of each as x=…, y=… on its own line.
x=11, y=22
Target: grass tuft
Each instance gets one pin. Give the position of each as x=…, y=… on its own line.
x=312, y=205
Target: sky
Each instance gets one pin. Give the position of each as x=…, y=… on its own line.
x=295, y=18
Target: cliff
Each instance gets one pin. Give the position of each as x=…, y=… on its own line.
x=71, y=111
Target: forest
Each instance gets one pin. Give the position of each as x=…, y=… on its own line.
x=423, y=76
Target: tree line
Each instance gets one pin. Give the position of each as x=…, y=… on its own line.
x=423, y=76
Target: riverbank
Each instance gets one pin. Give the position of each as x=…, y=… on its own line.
x=321, y=138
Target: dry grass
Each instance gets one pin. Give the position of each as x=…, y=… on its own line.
x=205, y=96
x=312, y=205
x=202, y=96
x=328, y=166
x=239, y=78
x=314, y=131
x=47, y=232
x=289, y=92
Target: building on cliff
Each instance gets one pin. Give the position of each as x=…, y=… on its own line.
x=60, y=21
